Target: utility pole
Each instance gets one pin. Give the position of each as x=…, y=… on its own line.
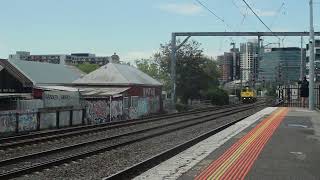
x=256, y=63
x=234, y=65
x=302, y=62
x=311, y=60
x=173, y=71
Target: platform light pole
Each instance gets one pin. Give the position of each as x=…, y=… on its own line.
x=311, y=60
x=173, y=71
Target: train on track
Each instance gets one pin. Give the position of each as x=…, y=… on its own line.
x=248, y=95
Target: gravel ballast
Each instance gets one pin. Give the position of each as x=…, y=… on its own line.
x=48, y=145
x=104, y=164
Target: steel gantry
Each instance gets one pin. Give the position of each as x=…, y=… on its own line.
x=175, y=47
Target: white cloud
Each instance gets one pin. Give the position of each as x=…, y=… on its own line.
x=182, y=9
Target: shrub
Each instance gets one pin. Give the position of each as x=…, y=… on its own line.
x=218, y=96
x=181, y=107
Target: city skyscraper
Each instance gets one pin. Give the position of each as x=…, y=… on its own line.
x=249, y=60
x=280, y=65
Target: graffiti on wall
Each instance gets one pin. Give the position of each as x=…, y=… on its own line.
x=27, y=122
x=133, y=114
x=7, y=123
x=141, y=106
x=60, y=98
x=98, y=111
x=149, y=92
x=116, y=110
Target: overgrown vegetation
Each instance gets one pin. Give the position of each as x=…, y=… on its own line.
x=217, y=96
x=195, y=72
x=87, y=67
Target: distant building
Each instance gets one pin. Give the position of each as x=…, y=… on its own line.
x=316, y=62
x=249, y=60
x=73, y=59
x=229, y=65
x=220, y=60
x=280, y=65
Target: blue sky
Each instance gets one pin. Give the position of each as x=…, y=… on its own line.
x=135, y=28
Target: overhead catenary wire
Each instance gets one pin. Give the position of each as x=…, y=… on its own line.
x=218, y=17
x=213, y=13
x=258, y=17
x=277, y=14
x=244, y=16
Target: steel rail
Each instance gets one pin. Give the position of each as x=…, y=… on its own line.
x=61, y=160
x=46, y=136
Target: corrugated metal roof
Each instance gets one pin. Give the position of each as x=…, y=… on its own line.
x=15, y=95
x=59, y=88
x=89, y=91
x=98, y=92
x=46, y=73
x=14, y=71
x=117, y=74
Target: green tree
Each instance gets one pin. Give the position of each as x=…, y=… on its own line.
x=195, y=72
x=87, y=68
x=217, y=96
x=152, y=68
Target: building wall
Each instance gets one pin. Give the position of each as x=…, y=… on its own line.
x=73, y=59
x=17, y=121
x=229, y=69
x=281, y=65
x=316, y=62
x=248, y=60
x=136, y=102
x=220, y=60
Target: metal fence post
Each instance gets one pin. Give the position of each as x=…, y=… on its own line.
x=83, y=116
x=38, y=121
x=318, y=103
x=17, y=122
x=58, y=119
x=71, y=117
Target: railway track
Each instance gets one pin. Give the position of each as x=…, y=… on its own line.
x=26, y=164
x=33, y=138
x=149, y=163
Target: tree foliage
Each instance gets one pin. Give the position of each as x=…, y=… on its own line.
x=217, y=96
x=152, y=68
x=195, y=73
x=87, y=68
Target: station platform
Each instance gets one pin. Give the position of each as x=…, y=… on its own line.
x=275, y=143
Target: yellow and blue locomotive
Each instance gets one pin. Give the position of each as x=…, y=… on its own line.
x=248, y=95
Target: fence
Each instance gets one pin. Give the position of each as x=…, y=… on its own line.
x=290, y=96
x=18, y=121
